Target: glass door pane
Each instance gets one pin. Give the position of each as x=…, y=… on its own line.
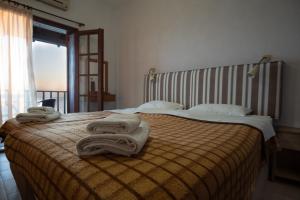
x=83, y=65
x=94, y=84
x=83, y=44
x=83, y=104
x=93, y=39
x=93, y=93
x=83, y=85
x=94, y=65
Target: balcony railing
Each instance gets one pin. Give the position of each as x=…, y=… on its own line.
x=60, y=96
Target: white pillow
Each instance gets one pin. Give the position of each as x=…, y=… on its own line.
x=221, y=109
x=162, y=105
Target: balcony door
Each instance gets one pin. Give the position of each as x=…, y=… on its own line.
x=84, y=64
x=85, y=70
x=90, y=70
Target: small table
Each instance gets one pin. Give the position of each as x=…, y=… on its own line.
x=285, y=160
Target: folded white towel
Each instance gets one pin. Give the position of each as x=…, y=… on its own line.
x=41, y=110
x=115, y=123
x=122, y=144
x=37, y=117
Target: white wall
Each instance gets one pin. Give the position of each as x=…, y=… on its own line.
x=95, y=14
x=182, y=34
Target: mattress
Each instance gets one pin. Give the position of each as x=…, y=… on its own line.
x=183, y=159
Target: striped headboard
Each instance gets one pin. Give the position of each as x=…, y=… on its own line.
x=226, y=85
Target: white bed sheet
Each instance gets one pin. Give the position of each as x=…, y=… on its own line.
x=263, y=123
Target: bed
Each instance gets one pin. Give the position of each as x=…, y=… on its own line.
x=184, y=158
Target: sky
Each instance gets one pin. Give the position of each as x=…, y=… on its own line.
x=50, y=66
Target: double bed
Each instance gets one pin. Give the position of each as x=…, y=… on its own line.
x=185, y=157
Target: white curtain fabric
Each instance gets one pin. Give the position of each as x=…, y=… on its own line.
x=17, y=85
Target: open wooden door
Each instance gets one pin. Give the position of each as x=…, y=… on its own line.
x=86, y=75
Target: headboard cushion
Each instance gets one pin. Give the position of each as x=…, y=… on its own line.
x=220, y=85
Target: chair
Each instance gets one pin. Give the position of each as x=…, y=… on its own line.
x=48, y=102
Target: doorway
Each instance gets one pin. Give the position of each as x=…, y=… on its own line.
x=50, y=61
x=84, y=61
x=50, y=72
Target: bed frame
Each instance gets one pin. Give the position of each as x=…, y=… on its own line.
x=228, y=84
x=221, y=85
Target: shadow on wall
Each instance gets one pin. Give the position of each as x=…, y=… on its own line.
x=290, y=107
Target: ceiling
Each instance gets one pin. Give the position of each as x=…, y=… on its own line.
x=48, y=27
x=116, y=3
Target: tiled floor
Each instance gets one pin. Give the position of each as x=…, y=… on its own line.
x=266, y=190
x=276, y=190
x=8, y=188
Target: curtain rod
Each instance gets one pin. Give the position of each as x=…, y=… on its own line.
x=42, y=11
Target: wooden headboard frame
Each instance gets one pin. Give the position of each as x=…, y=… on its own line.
x=221, y=85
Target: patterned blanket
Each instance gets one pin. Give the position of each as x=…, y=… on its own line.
x=183, y=159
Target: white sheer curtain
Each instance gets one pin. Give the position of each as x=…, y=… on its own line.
x=17, y=86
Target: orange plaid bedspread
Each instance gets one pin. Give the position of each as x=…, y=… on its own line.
x=183, y=159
